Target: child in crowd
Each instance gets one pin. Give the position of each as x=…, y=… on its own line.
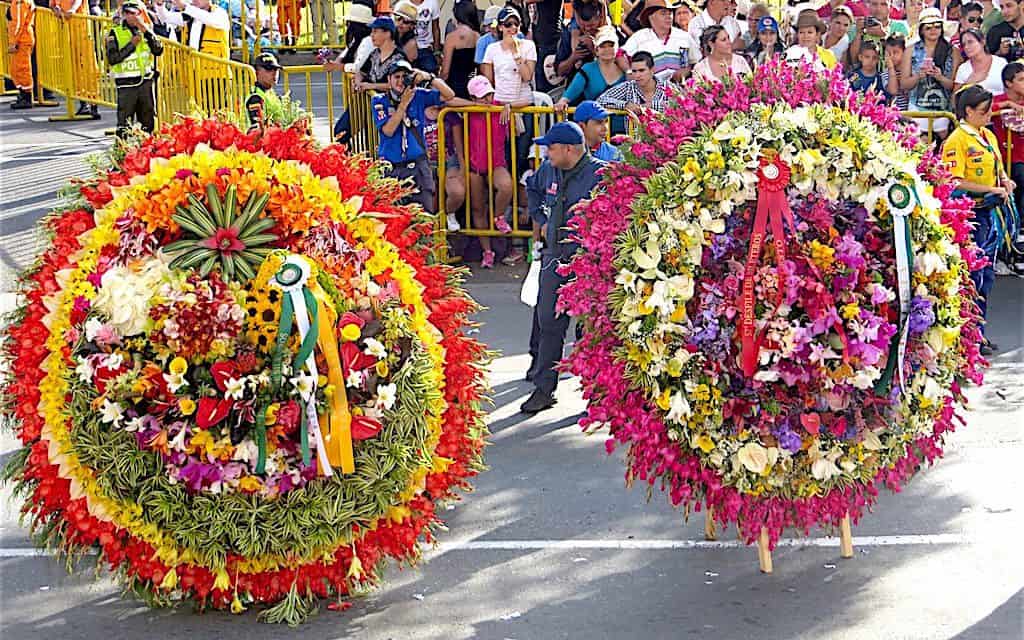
x=895, y=49
x=484, y=162
x=867, y=76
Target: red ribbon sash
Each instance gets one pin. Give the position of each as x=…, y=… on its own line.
x=772, y=210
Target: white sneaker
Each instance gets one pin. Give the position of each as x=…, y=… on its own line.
x=1001, y=268
x=453, y=223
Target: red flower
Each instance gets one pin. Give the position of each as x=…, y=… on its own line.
x=211, y=411
x=364, y=427
x=353, y=359
x=288, y=416
x=224, y=241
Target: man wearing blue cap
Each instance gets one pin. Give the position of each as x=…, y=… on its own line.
x=400, y=115
x=593, y=119
x=553, y=194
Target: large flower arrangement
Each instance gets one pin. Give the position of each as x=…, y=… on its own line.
x=239, y=374
x=784, y=320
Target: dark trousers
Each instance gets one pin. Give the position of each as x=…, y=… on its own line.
x=985, y=277
x=551, y=326
x=422, y=177
x=138, y=103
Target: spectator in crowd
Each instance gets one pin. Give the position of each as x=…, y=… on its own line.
x=400, y=114
x=972, y=155
x=488, y=166
x=460, y=48
x=554, y=192
x=1006, y=39
x=547, y=30
x=1008, y=123
x=84, y=58
x=895, y=49
x=754, y=15
x=877, y=27
x=428, y=34
x=717, y=12
x=373, y=75
x=837, y=38
x=928, y=71
x=970, y=18
x=510, y=63
x=642, y=91
x=912, y=14
x=405, y=17
x=674, y=51
x=809, y=29
x=596, y=76
x=856, y=7
x=358, y=40
x=263, y=107
x=132, y=49
x=719, y=61
x=683, y=15
x=980, y=66
x=768, y=45
x=867, y=75
x=21, y=39
x=321, y=14
x=208, y=25
x=576, y=47
x=492, y=33
x=593, y=119
x=454, y=178
x=991, y=16
x=289, y=20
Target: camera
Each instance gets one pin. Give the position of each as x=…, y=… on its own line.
x=871, y=21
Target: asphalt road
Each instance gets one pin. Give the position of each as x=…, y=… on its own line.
x=551, y=544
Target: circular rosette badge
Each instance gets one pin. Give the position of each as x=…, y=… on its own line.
x=790, y=339
x=241, y=383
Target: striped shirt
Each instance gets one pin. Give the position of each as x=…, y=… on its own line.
x=628, y=92
x=666, y=51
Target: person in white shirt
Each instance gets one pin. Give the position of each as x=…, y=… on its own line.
x=673, y=50
x=717, y=12
x=719, y=61
x=209, y=25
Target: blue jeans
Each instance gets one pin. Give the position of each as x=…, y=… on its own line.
x=985, y=277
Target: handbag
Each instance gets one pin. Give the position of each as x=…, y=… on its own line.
x=531, y=285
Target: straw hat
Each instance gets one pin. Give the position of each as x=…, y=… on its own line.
x=654, y=5
x=931, y=15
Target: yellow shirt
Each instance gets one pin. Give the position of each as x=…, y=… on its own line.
x=972, y=155
x=827, y=58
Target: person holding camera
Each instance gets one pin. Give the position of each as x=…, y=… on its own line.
x=400, y=115
x=876, y=27
x=132, y=50
x=674, y=50
x=1006, y=39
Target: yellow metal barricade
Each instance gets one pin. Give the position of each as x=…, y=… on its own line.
x=70, y=58
x=931, y=116
x=300, y=81
x=5, y=58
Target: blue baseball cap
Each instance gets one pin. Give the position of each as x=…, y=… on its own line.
x=589, y=110
x=385, y=23
x=767, y=23
x=561, y=133
x=509, y=12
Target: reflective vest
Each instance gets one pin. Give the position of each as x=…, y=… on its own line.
x=213, y=41
x=273, y=110
x=139, y=64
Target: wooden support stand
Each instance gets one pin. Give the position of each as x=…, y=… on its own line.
x=710, y=528
x=845, y=538
x=764, y=554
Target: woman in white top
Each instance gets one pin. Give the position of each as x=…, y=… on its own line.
x=719, y=60
x=980, y=67
x=509, y=64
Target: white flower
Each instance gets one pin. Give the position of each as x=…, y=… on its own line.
x=679, y=409
x=111, y=412
x=865, y=378
x=125, y=293
x=133, y=425
x=304, y=384
x=85, y=370
x=354, y=379
x=92, y=327
x=627, y=280
x=753, y=457
x=246, y=451
x=649, y=257
x=375, y=348
x=823, y=467
x=178, y=442
x=386, y=395
x=928, y=263
x=871, y=440
x=175, y=381
x=113, y=361
x=234, y=388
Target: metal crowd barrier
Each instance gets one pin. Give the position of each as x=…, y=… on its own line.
x=329, y=15
x=71, y=59
x=931, y=117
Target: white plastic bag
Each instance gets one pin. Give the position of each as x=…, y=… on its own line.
x=531, y=285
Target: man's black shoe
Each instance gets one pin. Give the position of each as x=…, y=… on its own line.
x=537, y=402
x=988, y=348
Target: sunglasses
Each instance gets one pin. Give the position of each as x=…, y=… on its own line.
x=510, y=23
x=933, y=26
x=978, y=20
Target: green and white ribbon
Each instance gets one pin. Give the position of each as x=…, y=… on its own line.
x=901, y=200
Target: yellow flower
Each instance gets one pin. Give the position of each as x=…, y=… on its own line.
x=222, y=581
x=664, y=400
x=250, y=484
x=674, y=367
x=850, y=311
x=350, y=332
x=187, y=406
x=381, y=368
x=236, y=606
x=701, y=393
x=822, y=255
x=170, y=580
x=179, y=366
x=271, y=415
x=705, y=443
x=716, y=161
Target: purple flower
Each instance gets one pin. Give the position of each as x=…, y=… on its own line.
x=921, y=315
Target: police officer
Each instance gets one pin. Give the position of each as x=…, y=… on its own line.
x=264, y=105
x=399, y=114
x=553, y=194
x=132, y=50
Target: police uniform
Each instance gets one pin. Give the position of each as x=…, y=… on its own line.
x=974, y=156
x=553, y=197
x=406, y=148
x=133, y=67
x=263, y=106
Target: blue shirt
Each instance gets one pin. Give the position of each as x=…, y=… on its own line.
x=552, y=196
x=405, y=144
x=607, y=153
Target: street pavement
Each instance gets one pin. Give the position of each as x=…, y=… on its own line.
x=552, y=545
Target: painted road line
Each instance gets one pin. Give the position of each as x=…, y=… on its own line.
x=637, y=545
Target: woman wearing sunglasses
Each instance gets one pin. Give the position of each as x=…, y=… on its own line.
x=928, y=72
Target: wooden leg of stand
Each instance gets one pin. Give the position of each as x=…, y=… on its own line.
x=845, y=538
x=710, y=529
x=764, y=554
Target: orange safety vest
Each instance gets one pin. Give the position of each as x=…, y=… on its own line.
x=65, y=5
x=21, y=26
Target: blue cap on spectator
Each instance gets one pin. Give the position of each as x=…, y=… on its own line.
x=767, y=23
x=509, y=12
x=384, y=22
x=400, y=65
x=589, y=110
x=561, y=133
